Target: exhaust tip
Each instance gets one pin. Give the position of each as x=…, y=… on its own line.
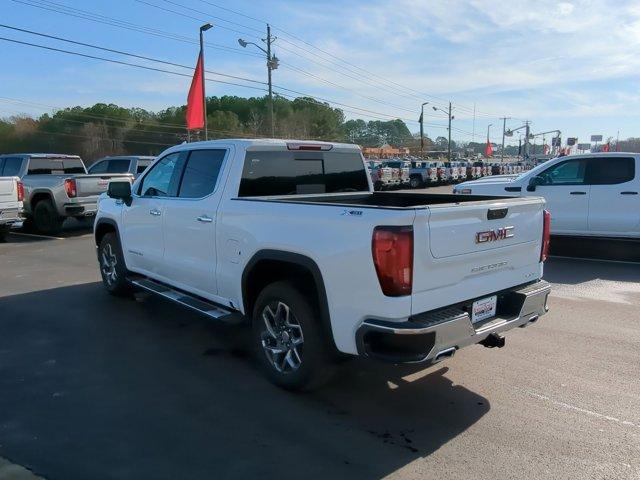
x=444, y=354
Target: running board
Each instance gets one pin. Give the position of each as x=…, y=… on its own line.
x=210, y=309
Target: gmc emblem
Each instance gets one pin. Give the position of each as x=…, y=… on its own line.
x=494, y=235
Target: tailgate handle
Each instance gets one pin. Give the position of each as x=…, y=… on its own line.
x=497, y=213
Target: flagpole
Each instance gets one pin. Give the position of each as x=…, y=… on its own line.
x=203, y=29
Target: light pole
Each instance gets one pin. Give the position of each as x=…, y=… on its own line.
x=422, y=127
x=203, y=29
x=272, y=64
x=504, y=128
x=451, y=117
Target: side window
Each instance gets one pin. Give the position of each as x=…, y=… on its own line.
x=119, y=165
x=161, y=179
x=201, y=173
x=11, y=167
x=610, y=170
x=142, y=166
x=571, y=172
x=100, y=167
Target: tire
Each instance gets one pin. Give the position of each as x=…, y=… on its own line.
x=4, y=231
x=415, y=182
x=288, y=341
x=46, y=219
x=112, y=267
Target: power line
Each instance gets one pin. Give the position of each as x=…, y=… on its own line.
x=120, y=62
x=114, y=22
x=120, y=52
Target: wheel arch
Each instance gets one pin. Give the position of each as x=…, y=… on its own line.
x=104, y=226
x=268, y=266
x=38, y=196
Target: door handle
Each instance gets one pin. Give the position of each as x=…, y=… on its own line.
x=628, y=193
x=155, y=212
x=578, y=193
x=204, y=219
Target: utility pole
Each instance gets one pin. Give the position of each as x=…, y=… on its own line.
x=449, y=145
x=525, y=148
x=272, y=64
x=473, y=130
x=617, y=140
x=422, y=127
x=504, y=128
x=269, y=68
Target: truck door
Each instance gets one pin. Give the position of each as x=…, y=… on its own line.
x=142, y=221
x=614, y=201
x=566, y=192
x=190, y=223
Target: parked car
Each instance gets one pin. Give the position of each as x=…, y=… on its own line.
x=592, y=195
x=289, y=237
x=401, y=171
x=422, y=174
x=135, y=165
x=56, y=187
x=381, y=176
x=451, y=172
x=11, y=197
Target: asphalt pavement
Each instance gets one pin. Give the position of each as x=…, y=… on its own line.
x=97, y=387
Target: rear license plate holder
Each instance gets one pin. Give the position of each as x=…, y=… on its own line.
x=484, y=309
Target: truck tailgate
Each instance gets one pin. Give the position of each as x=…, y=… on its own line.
x=8, y=193
x=463, y=251
x=93, y=185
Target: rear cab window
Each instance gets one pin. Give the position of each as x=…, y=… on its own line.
x=10, y=166
x=268, y=173
x=55, y=166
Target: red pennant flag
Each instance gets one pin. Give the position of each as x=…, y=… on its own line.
x=195, y=99
x=606, y=147
x=488, y=151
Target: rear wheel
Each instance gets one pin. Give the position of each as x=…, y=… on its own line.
x=4, y=231
x=415, y=182
x=287, y=338
x=112, y=267
x=46, y=219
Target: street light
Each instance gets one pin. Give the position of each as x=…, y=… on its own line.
x=272, y=64
x=203, y=29
x=422, y=127
x=451, y=117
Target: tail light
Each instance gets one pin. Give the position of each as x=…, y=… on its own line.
x=20, y=188
x=546, y=236
x=71, y=188
x=392, y=249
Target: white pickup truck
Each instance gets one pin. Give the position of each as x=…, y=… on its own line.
x=290, y=237
x=594, y=194
x=11, y=197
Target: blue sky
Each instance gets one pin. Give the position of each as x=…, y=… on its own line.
x=568, y=65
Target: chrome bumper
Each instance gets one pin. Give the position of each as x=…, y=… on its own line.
x=433, y=336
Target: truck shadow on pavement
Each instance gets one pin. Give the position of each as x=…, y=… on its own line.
x=575, y=271
x=99, y=387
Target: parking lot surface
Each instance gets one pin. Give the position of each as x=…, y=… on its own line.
x=97, y=387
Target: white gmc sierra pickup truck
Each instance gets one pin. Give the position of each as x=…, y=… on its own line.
x=290, y=237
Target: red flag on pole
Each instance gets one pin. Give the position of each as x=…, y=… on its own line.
x=195, y=101
x=606, y=147
x=488, y=151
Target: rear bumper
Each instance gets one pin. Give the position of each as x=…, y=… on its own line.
x=432, y=336
x=11, y=217
x=81, y=208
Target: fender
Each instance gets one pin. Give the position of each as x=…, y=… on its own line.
x=301, y=261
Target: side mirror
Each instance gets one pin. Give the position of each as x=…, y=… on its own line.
x=120, y=191
x=534, y=182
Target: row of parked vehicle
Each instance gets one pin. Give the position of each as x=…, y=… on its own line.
x=419, y=173
x=44, y=189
